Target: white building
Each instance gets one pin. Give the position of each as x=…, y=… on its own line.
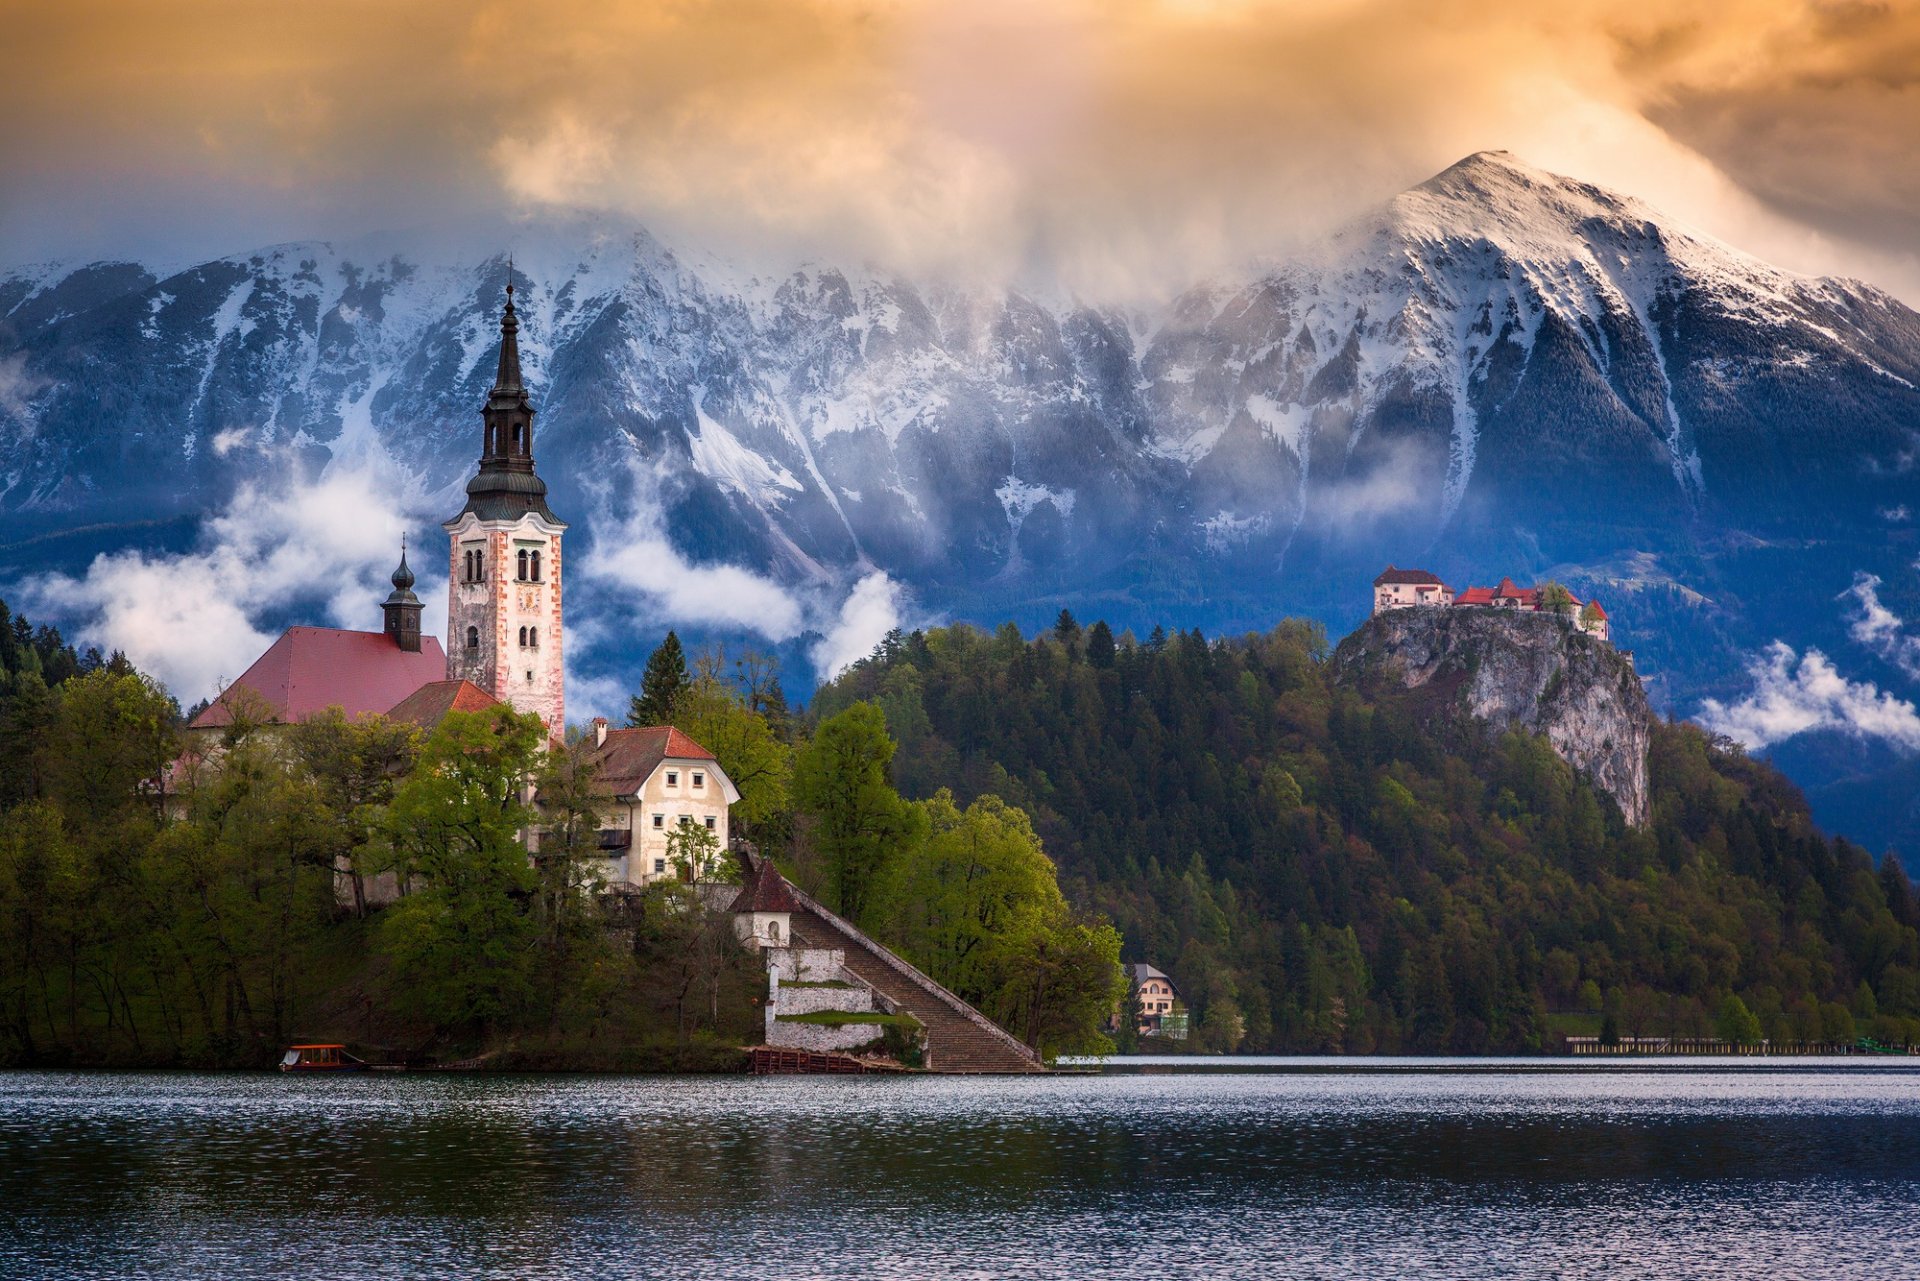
x=1404, y=588
x=658, y=779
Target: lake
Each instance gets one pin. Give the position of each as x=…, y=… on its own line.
x=1308, y=1169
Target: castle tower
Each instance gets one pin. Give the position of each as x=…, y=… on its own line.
x=504, y=572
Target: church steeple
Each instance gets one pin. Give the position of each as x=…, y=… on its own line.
x=506, y=485
x=505, y=632
x=402, y=608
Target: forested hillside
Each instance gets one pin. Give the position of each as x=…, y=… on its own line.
x=1321, y=872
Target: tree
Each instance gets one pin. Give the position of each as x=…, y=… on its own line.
x=462, y=943
x=1736, y=1022
x=695, y=852
x=576, y=955
x=1556, y=599
x=662, y=686
x=748, y=749
x=1100, y=647
x=975, y=893
x=356, y=762
x=111, y=737
x=860, y=824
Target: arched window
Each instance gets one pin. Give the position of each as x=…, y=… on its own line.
x=533, y=638
x=535, y=559
x=473, y=638
x=516, y=435
x=523, y=638
x=523, y=565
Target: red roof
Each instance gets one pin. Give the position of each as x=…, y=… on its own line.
x=310, y=669
x=629, y=756
x=1411, y=577
x=1475, y=596
x=764, y=890
x=1599, y=609
x=429, y=705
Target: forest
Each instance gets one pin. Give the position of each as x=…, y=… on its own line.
x=166, y=900
x=1318, y=871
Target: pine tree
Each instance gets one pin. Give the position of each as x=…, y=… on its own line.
x=1100, y=648
x=660, y=689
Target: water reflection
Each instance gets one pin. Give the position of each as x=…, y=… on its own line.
x=1807, y=1172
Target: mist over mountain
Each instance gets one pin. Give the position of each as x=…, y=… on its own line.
x=1501, y=371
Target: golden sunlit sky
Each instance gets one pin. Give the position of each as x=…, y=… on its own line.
x=1123, y=146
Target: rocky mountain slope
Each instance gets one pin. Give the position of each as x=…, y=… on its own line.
x=1509, y=670
x=1500, y=371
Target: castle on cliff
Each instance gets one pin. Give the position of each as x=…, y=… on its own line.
x=1414, y=588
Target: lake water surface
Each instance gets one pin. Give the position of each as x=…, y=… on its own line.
x=1465, y=1170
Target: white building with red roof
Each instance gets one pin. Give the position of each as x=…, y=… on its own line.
x=1397, y=588
x=1405, y=588
x=658, y=779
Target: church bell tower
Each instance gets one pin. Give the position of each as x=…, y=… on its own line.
x=504, y=574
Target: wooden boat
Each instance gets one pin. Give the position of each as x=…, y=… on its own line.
x=321, y=1058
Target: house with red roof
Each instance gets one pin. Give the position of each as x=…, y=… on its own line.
x=1404, y=588
x=658, y=779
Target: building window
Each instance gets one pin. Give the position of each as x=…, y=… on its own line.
x=534, y=558
x=523, y=638
x=686, y=820
x=659, y=822
x=533, y=638
x=699, y=779
x=522, y=571
x=673, y=778
x=710, y=822
x=659, y=867
x=473, y=638
x=773, y=930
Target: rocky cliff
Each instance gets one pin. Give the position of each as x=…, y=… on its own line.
x=1518, y=671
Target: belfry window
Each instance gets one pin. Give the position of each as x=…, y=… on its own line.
x=523, y=638
x=473, y=638
x=523, y=565
x=534, y=558
x=533, y=638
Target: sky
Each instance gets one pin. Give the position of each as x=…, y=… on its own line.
x=1119, y=148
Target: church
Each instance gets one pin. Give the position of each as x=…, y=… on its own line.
x=505, y=644
x=504, y=635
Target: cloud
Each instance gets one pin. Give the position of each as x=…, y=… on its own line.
x=1794, y=694
x=1880, y=629
x=870, y=611
x=632, y=555
x=195, y=619
x=17, y=388
x=1117, y=147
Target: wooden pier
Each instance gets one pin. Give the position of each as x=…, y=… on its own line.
x=770, y=1060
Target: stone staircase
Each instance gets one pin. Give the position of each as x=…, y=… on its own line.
x=955, y=1041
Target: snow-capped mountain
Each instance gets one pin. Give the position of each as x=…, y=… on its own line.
x=1500, y=371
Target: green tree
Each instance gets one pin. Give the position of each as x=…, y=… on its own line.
x=462, y=942
x=695, y=853
x=861, y=826
x=1736, y=1022
x=1556, y=599
x=1100, y=647
x=662, y=685
x=111, y=737
x=356, y=762
x=975, y=893
x=577, y=965
x=718, y=717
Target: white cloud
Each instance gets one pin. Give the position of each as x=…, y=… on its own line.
x=17, y=387
x=640, y=559
x=195, y=619
x=870, y=611
x=1796, y=693
x=1880, y=629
